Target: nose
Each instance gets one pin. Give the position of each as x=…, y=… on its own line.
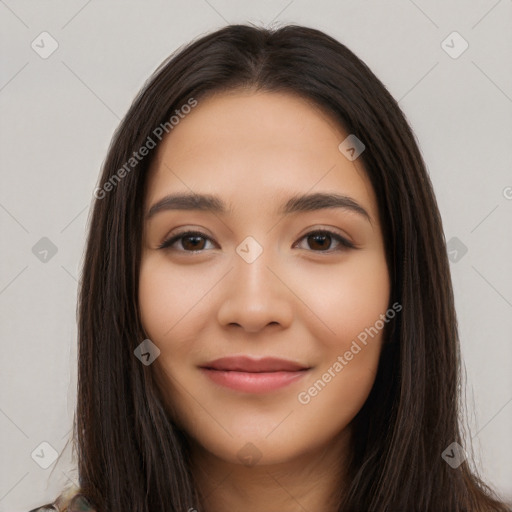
x=256, y=295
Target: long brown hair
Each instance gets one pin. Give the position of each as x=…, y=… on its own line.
x=131, y=456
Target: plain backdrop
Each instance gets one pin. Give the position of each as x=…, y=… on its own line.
x=59, y=112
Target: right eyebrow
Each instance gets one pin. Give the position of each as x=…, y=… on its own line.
x=206, y=202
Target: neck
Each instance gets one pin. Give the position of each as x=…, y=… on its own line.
x=309, y=481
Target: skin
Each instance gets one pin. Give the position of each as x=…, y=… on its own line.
x=296, y=301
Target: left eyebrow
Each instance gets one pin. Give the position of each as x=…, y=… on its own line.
x=321, y=200
x=297, y=203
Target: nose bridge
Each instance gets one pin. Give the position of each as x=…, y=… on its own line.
x=255, y=296
x=253, y=279
x=251, y=267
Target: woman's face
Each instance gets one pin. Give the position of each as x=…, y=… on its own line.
x=260, y=277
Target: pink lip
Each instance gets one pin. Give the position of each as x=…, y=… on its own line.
x=255, y=382
x=253, y=376
x=248, y=364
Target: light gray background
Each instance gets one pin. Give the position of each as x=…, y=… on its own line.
x=58, y=116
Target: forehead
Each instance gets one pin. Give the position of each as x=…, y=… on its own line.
x=254, y=120
x=255, y=146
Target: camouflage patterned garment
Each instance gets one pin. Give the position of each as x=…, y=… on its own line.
x=69, y=501
x=79, y=504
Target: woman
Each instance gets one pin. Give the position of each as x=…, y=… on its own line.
x=266, y=317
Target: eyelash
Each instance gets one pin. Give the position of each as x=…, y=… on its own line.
x=167, y=244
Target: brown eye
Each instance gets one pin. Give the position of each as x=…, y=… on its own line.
x=190, y=241
x=317, y=241
x=322, y=241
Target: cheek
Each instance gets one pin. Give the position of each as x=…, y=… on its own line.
x=175, y=309
x=345, y=300
x=351, y=307
x=169, y=296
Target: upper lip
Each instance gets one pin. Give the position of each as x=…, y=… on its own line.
x=248, y=364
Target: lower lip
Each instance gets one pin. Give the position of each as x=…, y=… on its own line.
x=253, y=382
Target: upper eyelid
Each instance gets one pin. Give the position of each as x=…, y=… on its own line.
x=176, y=237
